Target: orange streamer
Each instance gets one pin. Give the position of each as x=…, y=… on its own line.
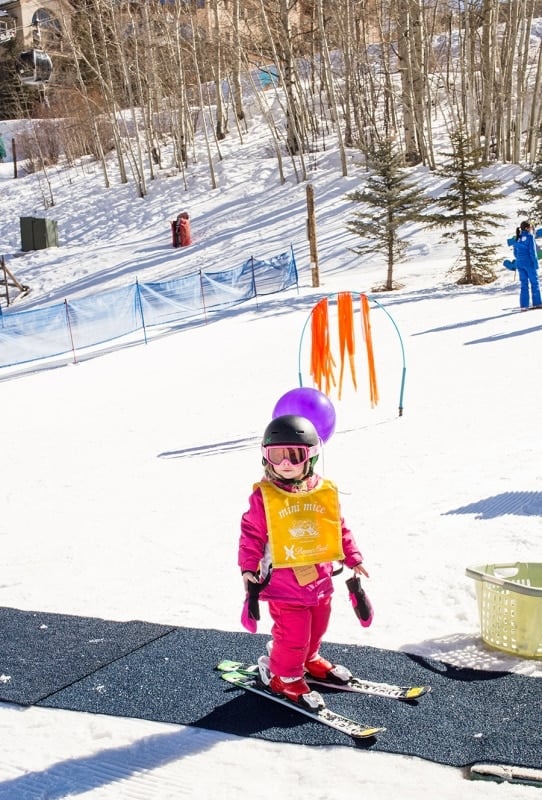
x=346, y=334
x=366, y=326
x=322, y=363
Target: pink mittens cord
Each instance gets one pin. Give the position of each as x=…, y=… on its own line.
x=360, y=602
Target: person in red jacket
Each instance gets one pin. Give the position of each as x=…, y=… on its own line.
x=291, y=534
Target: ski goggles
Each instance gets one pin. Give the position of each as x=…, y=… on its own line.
x=295, y=454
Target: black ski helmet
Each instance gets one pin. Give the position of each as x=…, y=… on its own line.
x=290, y=429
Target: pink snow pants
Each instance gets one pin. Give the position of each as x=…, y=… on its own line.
x=297, y=633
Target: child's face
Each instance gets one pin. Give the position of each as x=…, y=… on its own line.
x=289, y=471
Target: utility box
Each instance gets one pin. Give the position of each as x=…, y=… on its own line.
x=38, y=233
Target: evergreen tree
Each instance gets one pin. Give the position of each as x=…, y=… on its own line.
x=532, y=191
x=464, y=214
x=388, y=201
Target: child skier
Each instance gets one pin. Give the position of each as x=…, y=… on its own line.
x=290, y=535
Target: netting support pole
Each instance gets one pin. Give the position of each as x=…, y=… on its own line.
x=70, y=331
x=140, y=306
x=295, y=267
x=202, y=296
x=255, y=291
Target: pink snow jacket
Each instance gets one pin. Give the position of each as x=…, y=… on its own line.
x=254, y=555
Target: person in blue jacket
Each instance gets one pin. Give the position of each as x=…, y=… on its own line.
x=526, y=263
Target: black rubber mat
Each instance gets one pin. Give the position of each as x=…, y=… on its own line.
x=469, y=716
x=41, y=653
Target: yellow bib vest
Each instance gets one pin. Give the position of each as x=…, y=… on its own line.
x=303, y=527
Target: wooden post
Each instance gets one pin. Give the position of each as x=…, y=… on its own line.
x=5, y=281
x=311, y=231
x=9, y=279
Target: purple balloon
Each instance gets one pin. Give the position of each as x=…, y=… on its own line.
x=312, y=404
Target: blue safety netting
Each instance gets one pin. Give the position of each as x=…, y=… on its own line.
x=74, y=325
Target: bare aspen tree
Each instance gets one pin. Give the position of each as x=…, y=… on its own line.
x=410, y=52
x=503, y=116
x=283, y=47
x=102, y=69
x=135, y=55
x=372, y=95
x=346, y=44
x=534, y=131
x=431, y=84
x=488, y=73
x=326, y=67
x=467, y=63
x=281, y=51
x=91, y=120
x=522, y=65
x=221, y=120
x=382, y=123
x=151, y=96
x=420, y=95
x=175, y=58
x=268, y=116
x=199, y=89
x=236, y=63
x=132, y=142
x=279, y=39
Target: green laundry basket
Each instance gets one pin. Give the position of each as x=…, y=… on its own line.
x=510, y=606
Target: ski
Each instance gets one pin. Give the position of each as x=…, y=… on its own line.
x=360, y=685
x=355, y=684
x=518, y=310
x=249, y=681
x=506, y=773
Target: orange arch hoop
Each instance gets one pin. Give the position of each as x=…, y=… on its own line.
x=322, y=363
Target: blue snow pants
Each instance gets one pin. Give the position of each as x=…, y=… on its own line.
x=528, y=279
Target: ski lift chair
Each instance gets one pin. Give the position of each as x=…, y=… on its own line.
x=7, y=27
x=34, y=67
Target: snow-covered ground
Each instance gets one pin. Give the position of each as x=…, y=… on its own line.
x=108, y=463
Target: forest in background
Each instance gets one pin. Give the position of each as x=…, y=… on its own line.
x=130, y=78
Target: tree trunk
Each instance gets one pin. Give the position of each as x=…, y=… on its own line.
x=221, y=121
x=236, y=64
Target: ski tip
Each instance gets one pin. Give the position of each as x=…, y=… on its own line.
x=367, y=733
x=416, y=691
x=226, y=665
x=235, y=677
